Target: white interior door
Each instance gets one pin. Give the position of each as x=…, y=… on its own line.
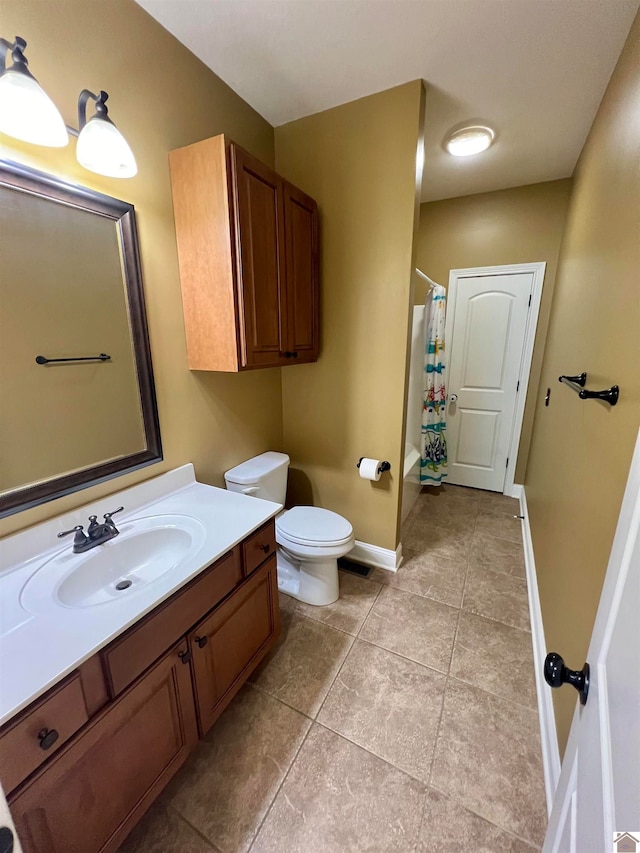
x=486, y=325
x=598, y=792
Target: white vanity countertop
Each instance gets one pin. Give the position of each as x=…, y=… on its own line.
x=38, y=650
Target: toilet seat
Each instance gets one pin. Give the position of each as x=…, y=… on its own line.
x=313, y=526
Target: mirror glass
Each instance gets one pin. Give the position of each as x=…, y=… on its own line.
x=77, y=403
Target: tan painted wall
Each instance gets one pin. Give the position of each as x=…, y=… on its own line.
x=162, y=97
x=581, y=450
x=359, y=161
x=515, y=226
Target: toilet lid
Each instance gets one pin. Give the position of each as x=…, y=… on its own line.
x=308, y=524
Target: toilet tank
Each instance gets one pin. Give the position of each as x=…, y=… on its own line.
x=263, y=476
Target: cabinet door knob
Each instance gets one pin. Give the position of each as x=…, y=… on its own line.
x=202, y=641
x=556, y=674
x=266, y=548
x=185, y=657
x=6, y=840
x=295, y=353
x=47, y=738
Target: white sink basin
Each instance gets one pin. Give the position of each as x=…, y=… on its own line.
x=145, y=550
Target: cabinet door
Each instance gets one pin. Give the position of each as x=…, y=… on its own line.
x=228, y=645
x=303, y=271
x=90, y=798
x=259, y=231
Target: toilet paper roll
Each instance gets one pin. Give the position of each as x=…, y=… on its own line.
x=370, y=469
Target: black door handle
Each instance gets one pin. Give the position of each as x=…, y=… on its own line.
x=202, y=641
x=556, y=674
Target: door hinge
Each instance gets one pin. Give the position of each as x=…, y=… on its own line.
x=507, y=465
x=529, y=300
x=518, y=386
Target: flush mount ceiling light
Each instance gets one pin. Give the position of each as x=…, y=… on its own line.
x=27, y=113
x=469, y=140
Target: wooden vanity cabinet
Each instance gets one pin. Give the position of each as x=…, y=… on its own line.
x=128, y=718
x=90, y=797
x=249, y=260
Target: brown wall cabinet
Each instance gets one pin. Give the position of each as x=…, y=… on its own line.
x=249, y=260
x=163, y=682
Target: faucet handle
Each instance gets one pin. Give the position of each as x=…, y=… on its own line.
x=80, y=537
x=107, y=515
x=75, y=529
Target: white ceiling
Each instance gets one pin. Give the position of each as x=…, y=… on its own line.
x=535, y=70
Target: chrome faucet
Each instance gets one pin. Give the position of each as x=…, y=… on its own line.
x=97, y=534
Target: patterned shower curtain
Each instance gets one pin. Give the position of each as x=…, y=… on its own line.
x=433, y=462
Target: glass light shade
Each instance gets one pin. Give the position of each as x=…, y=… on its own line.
x=103, y=149
x=470, y=140
x=28, y=113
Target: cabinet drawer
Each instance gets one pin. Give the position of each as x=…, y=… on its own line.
x=258, y=547
x=130, y=655
x=23, y=746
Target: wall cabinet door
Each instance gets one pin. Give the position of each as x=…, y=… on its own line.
x=92, y=795
x=248, y=253
x=302, y=268
x=259, y=224
x=231, y=642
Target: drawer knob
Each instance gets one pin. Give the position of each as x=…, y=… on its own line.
x=202, y=641
x=185, y=657
x=47, y=738
x=265, y=548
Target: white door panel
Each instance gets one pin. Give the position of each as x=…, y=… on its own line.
x=600, y=777
x=485, y=355
x=477, y=437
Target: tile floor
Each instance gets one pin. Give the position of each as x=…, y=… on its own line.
x=401, y=718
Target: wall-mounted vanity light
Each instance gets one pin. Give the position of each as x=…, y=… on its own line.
x=101, y=147
x=27, y=113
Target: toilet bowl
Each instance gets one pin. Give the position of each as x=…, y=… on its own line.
x=310, y=539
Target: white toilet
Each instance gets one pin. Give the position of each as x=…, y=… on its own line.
x=310, y=539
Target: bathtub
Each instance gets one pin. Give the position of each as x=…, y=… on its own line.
x=411, y=472
x=410, y=479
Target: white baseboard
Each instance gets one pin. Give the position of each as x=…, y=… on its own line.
x=373, y=555
x=548, y=733
x=516, y=491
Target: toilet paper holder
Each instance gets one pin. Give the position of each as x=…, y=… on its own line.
x=384, y=466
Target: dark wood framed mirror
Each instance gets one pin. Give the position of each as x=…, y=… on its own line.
x=77, y=395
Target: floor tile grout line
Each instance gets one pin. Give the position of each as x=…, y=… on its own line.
x=214, y=847
x=400, y=655
x=377, y=755
x=496, y=621
x=303, y=614
x=284, y=779
x=532, y=708
x=333, y=681
x=359, y=746
x=509, y=832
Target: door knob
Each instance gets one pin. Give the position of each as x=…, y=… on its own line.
x=556, y=674
x=453, y=398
